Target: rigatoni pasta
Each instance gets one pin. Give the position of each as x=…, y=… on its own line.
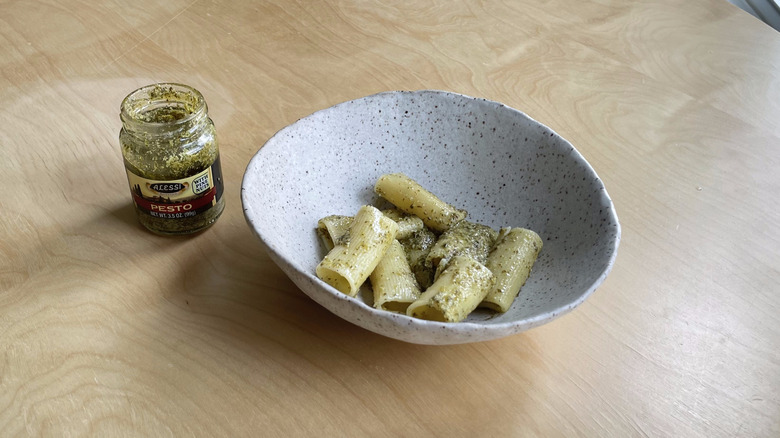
x=331, y=228
x=422, y=257
x=407, y=223
x=465, y=238
x=417, y=247
x=457, y=292
x=393, y=282
x=410, y=197
x=356, y=254
x=511, y=261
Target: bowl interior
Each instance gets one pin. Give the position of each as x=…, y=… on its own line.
x=501, y=166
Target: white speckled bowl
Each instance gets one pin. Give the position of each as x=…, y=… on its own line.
x=503, y=167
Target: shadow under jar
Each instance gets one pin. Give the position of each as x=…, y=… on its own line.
x=171, y=156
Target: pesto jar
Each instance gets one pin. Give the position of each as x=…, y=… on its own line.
x=171, y=157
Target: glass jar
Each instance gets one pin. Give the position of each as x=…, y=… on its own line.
x=171, y=157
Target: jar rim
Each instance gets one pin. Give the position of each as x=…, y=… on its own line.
x=132, y=105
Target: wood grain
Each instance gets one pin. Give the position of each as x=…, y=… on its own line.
x=106, y=330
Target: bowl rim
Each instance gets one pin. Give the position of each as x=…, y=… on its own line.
x=502, y=328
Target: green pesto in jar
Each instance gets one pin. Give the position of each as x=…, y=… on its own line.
x=171, y=156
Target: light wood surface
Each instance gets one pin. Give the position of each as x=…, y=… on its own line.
x=107, y=330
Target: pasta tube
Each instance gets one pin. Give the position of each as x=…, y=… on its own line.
x=466, y=238
x=331, y=228
x=407, y=223
x=393, y=282
x=410, y=197
x=456, y=293
x=347, y=266
x=511, y=261
x=417, y=247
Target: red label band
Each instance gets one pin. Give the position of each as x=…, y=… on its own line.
x=175, y=209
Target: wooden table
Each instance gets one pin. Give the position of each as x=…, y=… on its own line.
x=107, y=330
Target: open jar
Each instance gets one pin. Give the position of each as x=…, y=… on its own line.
x=171, y=156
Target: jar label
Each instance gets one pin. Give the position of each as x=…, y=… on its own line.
x=179, y=198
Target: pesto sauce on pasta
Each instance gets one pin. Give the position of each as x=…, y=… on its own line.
x=449, y=263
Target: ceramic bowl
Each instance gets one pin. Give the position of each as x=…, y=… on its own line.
x=497, y=163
